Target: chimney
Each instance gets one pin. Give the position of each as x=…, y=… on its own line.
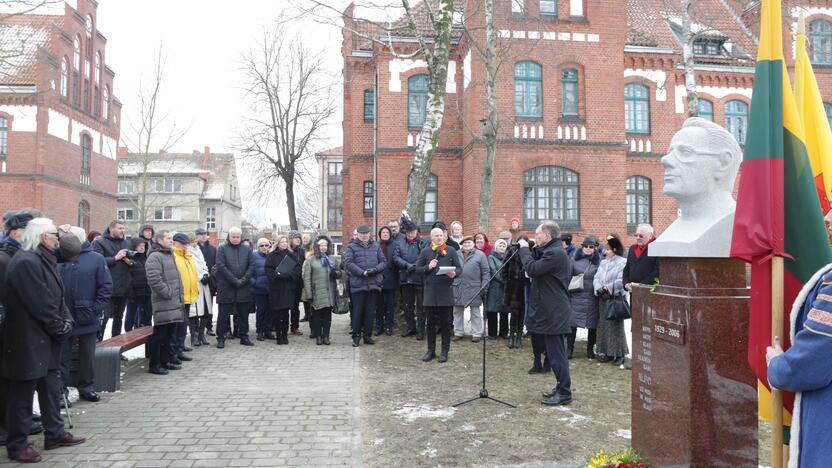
x=206, y=159
x=122, y=152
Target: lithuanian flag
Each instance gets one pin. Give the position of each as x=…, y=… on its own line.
x=778, y=213
x=818, y=138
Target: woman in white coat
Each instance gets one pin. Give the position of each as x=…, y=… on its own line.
x=199, y=317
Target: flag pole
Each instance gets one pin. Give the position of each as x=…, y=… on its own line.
x=776, y=332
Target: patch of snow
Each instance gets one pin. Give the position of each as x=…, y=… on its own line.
x=624, y=433
x=571, y=418
x=468, y=428
x=411, y=413
x=428, y=452
x=378, y=441
x=135, y=353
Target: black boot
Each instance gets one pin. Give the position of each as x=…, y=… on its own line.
x=319, y=340
x=510, y=341
x=569, y=353
x=446, y=344
x=429, y=356
x=326, y=340
x=193, y=325
x=220, y=343
x=201, y=331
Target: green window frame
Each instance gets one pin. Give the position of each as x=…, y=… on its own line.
x=637, y=108
x=548, y=7
x=551, y=192
x=369, y=105
x=820, y=40
x=417, y=100
x=828, y=108
x=4, y=137
x=706, y=109
x=569, y=92
x=736, y=119
x=639, y=202
x=528, y=89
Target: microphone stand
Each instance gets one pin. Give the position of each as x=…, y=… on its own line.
x=484, y=391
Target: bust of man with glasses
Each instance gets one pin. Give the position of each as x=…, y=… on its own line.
x=701, y=166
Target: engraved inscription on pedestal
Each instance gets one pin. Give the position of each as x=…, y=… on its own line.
x=644, y=369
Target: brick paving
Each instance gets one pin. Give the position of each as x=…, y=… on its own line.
x=295, y=405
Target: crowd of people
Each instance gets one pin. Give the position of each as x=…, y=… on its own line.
x=61, y=289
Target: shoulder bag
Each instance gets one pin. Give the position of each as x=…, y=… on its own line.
x=617, y=309
x=576, y=284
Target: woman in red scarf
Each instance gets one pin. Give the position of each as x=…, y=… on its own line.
x=385, y=314
x=481, y=243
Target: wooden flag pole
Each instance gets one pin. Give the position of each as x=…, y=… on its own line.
x=776, y=331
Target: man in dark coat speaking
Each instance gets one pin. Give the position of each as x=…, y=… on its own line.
x=549, y=310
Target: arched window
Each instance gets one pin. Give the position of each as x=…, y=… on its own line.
x=736, y=119
x=638, y=202
x=64, y=76
x=98, y=68
x=88, y=27
x=569, y=86
x=528, y=89
x=551, y=192
x=820, y=39
x=76, y=71
x=106, y=109
x=86, y=157
x=828, y=108
x=4, y=137
x=637, y=108
x=84, y=215
x=706, y=109
x=417, y=100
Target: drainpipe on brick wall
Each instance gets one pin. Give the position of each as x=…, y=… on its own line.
x=375, y=151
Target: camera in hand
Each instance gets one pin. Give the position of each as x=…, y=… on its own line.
x=131, y=253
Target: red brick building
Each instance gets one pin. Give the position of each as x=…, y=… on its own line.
x=59, y=119
x=590, y=93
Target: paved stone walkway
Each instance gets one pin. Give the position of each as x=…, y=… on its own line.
x=295, y=405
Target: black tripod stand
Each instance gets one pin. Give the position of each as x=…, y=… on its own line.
x=484, y=391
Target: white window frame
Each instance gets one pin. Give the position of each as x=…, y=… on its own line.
x=125, y=214
x=211, y=218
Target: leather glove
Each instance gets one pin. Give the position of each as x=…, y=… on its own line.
x=204, y=279
x=333, y=274
x=240, y=283
x=372, y=271
x=411, y=268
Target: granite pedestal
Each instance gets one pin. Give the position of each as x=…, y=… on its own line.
x=694, y=397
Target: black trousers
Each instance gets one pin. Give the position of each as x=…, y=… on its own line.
x=296, y=309
x=86, y=361
x=364, y=308
x=495, y=317
x=115, y=310
x=263, y=322
x=538, y=350
x=443, y=317
x=517, y=322
x=240, y=311
x=556, y=350
x=590, y=340
x=414, y=316
x=280, y=320
x=19, y=409
x=160, y=344
x=321, y=320
x=386, y=309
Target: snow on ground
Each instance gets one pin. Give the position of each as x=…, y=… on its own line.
x=411, y=413
x=624, y=433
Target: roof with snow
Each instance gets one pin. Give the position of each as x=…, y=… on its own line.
x=217, y=170
x=658, y=23
x=21, y=37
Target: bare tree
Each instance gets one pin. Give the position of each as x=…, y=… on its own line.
x=433, y=45
x=150, y=127
x=309, y=201
x=293, y=99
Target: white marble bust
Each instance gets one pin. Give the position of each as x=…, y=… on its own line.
x=701, y=166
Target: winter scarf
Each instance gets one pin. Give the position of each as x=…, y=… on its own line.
x=640, y=250
x=486, y=248
x=441, y=248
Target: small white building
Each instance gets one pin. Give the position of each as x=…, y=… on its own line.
x=331, y=187
x=179, y=191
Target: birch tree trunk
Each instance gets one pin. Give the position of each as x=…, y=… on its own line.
x=491, y=124
x=437, y=61
x=687, y=57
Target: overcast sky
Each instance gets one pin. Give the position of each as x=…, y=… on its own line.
x=203, y=40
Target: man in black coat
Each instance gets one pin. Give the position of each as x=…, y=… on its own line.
x=438, y=300
x=549, y=309
x=235, y=267
x=37, y=321
x=407, y=254
x=641, y=268
x=114, y=247
x=209, y=253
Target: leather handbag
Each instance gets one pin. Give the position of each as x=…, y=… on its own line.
x=576, y=284
x=618, y=309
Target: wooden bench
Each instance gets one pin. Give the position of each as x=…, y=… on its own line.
x=108, y=357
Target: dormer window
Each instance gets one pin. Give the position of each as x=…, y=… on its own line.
x=707, y=47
